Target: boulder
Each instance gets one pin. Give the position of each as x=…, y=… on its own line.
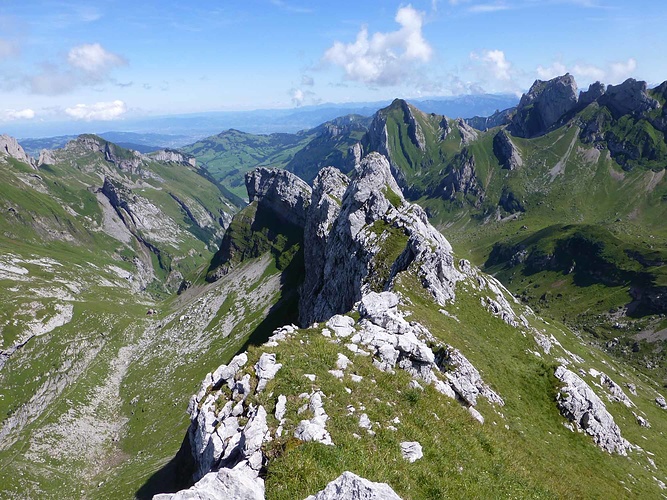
x=349, y=486
x=579, y=404
x=237, y=484
x=266, y=368
x=411, y=451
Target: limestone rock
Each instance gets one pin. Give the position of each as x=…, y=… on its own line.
x=464, y=377
x=315, y=428
x=507, y=153
x=630, y=97
x=266, y=368
x=349, y=486
x=411, y=451
x=544, y=105
x=594, y=92
x=280, y=191
x=366, y=207
x=661, y=402
x=237, y=484
x=172, y=156
x=468, y=134
x=579, y=404
x=9, y=146
x=461, y=178
x=328, y=190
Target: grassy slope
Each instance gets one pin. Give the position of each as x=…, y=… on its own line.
x=229, y=155
x=523, y=450
x=68, y=412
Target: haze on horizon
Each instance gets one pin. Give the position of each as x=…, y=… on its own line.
x=117, y=60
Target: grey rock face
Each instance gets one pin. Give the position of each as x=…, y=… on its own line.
x=10, y=147
x=169, y=155
x=464, y=378
x=365, y=218
x=328, y=190
x=282, y=192
x=349, y=486
x=594, y=92
x=237, y=484
x=497, y=119
x=462, y=178
x=579, y=404
x=468, y=134
x=507, y=153
x=630, y=97
x=543, y=105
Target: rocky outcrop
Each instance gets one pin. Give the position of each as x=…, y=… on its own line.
x=281, y=192
x=507, y=153
x=237, y=484
x=349, y=486
x=628, y=98
x=328, y=190
x=216, y=437
x=594, y=92
x=173, y=156
x=124, y=159
x=468, y=134
x=579, y=404
x=544, y=105
x=497, y=119
x=46, y=157
x=367, y=218
x=10, y=147
x=461, y=178
x=415, y=131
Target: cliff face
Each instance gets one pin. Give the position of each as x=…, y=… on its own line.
x=371, y=216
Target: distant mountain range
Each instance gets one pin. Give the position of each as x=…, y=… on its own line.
x=195, y=126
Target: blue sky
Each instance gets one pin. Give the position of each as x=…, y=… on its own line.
x=116, y=59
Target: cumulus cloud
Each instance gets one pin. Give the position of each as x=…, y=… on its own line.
x=557, y=68
x=496, y=63
x=383, y=59
x=85, y=65
x=99, y=111
x=17, y=114
x=300, y=97
x=93, y=59
x=612, y=73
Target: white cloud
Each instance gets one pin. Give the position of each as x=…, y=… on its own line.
x=300, y=97
x=98, y=111
x=307, y=80
x=20, y=114
x=488, y=7
x=615, y=72
x=496, y=63
x=587, y=72
x=622, y=70
x=93, y=59
x=383, y=58
x=557, y=68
